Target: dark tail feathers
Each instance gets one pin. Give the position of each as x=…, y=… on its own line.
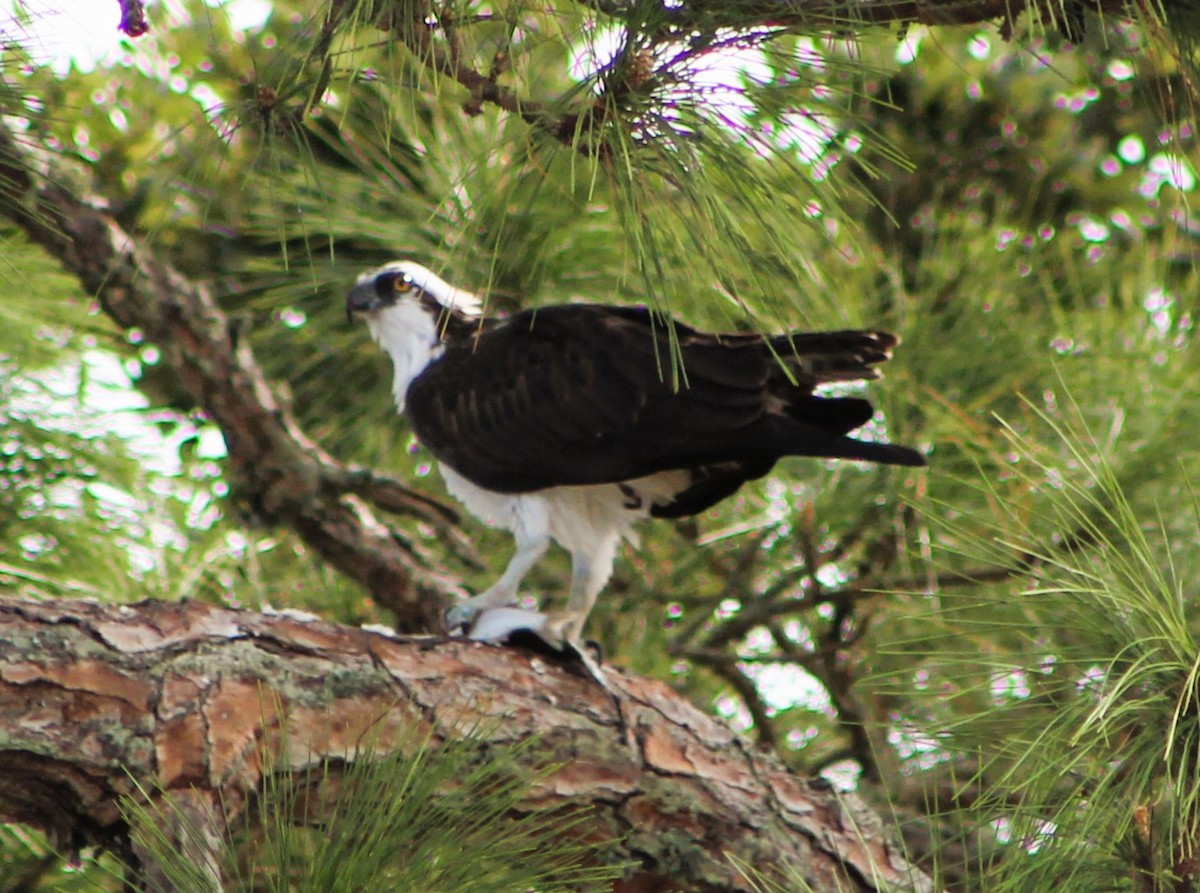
x=837, y=415
x=882, y=453
x=817, y=426
x=834, y=356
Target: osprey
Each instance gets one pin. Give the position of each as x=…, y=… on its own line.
x=569, y=423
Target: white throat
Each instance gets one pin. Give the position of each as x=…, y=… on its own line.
x=408, y=334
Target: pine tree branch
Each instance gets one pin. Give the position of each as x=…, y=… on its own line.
x=431, y=35
x=814, y=16
x=193, y=701
x=757, y=612
x=448, y=59
x=726, y=667
x=443, y=52
x=284, y=476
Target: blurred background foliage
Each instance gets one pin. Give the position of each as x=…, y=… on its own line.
x=999, y=651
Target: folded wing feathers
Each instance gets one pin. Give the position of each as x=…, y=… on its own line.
x=827, y=357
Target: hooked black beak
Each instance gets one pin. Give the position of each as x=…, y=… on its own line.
x=362, y=299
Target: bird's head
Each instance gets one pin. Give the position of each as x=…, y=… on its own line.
x=409, y=311
x=407, y=284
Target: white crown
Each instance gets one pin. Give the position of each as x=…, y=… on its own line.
x=439, y=289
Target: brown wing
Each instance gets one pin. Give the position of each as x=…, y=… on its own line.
x=584, y=394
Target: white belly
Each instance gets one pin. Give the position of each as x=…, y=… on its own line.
x=577, y=518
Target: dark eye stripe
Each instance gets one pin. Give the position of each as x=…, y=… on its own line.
x=388, y=285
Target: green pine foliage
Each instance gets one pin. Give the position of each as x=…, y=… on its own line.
x=1056, y=705
x=418, y=816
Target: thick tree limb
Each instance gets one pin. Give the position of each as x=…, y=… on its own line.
x=195, y=698
x=283, y=475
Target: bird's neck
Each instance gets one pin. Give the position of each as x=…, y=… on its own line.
x=408, y=334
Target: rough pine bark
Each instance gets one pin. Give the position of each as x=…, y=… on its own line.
x=193, y=701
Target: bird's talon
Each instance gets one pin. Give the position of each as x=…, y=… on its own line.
x=458, y=618
x=591, y=645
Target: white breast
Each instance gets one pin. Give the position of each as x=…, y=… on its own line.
x=408, y=333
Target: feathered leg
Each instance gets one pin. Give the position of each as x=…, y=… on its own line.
x=531, y=532
x=590, y=570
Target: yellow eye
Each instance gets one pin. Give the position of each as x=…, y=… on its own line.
x=402, y=283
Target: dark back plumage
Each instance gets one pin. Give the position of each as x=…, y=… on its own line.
x=589, y=394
